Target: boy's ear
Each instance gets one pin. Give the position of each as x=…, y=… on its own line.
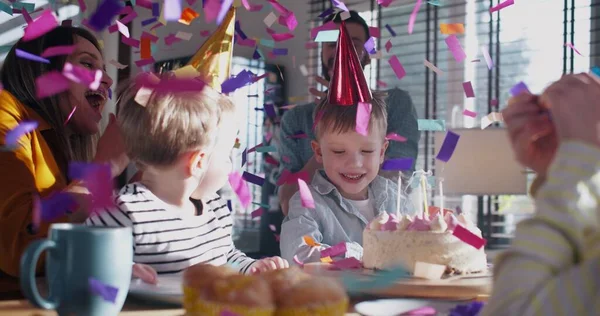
x=195, y=163
x=383, y=149
x=317, y=150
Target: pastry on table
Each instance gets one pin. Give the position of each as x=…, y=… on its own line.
x=315, y=296
x=209, y=294
x=283, y=280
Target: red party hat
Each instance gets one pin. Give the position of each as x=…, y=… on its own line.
x=348, y=85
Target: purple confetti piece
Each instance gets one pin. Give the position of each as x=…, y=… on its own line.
x=238, y=30
x=252, y=178
x=56, y=205
x=104, y=14
x=397, y=164
x=30, y=56
x=326, y=13
x=448, y=146
x=243, y=78
x=280, y=51
x=108, y=293
x=270, y=110
x=370, y=45
x=148, y=21
x=518, y=88
x=339, y=4
x=389, y=28
x=244, y=156
x=471, y=309
x=172, y=10
x=155, y=9
x=224, y=8
x=12, y=136
x=110, y=93
x=256, y=54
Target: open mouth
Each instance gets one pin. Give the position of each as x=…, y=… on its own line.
x=96, y=98
x=353, y=176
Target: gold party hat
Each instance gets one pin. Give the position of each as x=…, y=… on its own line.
x=213, y=60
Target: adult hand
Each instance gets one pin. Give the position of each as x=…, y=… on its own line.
x=111, y=148
x=532, y=134
x=574, y=102
x=268, y=264
x=320, y=95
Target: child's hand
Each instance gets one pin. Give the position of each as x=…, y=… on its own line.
x=267, y=264
x=145, y=272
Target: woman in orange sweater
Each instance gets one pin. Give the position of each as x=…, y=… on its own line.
x=39, y=165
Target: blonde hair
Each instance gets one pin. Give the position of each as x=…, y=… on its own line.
x=170, y=123
x=341, y=119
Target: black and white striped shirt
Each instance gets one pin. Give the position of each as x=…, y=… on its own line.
x=169, y=241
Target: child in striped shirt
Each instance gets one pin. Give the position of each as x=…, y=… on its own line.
x=181, y=141
x=552, y=267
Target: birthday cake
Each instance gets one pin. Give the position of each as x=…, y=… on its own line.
x=389, y=241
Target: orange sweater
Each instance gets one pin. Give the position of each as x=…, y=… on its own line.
x=27, y=170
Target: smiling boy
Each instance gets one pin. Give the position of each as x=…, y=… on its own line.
x=348, y=193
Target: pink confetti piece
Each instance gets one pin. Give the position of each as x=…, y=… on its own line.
x=570, y=45
x=251, y=7
x=246, y=42
x=240, y=188
x=388, y=46
x=381, y=84
x=334, y=251
x=51, y=83
x=397, y=67
x=374, y=32
x=129, y=13
x=347, y=264
x=257, y=213
x=145, y=62
x=70, y=116
x=36, y=216
x=363, y=115
x=58, y=51
x=502, y=5
x=84, y=76
x=25, y=55
x=469, y=113
x=228, y=313
x=395, y=137
x=298, y=262
x=468, y=237
x=22, y=129
x=487, y=57
x=272, y=228
x=290, y=21
x=325, y=27
x=26, y=16
x=384, y=3
x=433, y=68
x=107, y=292
x=305, y=195
x=82, y=6
x=130, y=41
x=454, y=46
x=153, y=38
x=144, y=4
x=413, y=16
x=172, y=10
x=282, y=37
x=468, y=88
x=123, y=29
x=45, y=23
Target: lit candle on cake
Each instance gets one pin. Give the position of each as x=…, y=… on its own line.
x=399, y=194
x=441, y=196
x=424, y=196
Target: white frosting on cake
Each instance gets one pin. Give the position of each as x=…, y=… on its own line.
x=421, y=240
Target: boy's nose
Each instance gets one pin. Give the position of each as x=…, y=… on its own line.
x=355, y=160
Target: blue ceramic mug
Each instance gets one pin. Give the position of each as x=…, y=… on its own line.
x=78, y=255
